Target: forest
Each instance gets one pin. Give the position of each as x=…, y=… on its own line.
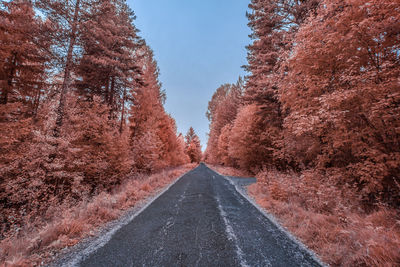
x=84, y=134
x=81, y=115
x=317, y=120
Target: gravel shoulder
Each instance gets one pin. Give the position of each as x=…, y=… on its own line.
x=72, y=256
x=203, y=219
x=240, y=184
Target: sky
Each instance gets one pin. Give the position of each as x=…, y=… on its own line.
x=199, y=45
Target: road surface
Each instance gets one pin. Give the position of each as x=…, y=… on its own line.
x=200, y=221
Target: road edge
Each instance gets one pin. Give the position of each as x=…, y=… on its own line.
x=78, y=253
x=272, y=218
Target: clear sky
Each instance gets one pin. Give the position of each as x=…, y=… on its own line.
x=199, y=45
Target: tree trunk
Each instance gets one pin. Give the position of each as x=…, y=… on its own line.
x=107, y=90
x=111, y=100
x=36, y=102
x=8, y=87
x=122, y=112
x=67, y=73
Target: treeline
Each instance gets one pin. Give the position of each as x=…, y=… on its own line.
x=81, y=106
x=322, y=94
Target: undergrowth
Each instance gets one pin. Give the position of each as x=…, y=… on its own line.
x=34, y=246
x=328, y=219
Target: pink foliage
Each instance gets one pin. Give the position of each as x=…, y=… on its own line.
x=81, y=111
x=193, y=146
x=68, y=225
x=321, y=99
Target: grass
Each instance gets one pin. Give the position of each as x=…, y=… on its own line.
x=328, y=219
x=33, y=246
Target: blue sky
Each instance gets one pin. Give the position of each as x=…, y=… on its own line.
x=199, y=45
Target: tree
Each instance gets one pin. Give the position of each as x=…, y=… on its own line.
x=341, y=90
x=69, y=71
x=146, y=111
x=97, y=151
x=181, y=148
x=193, y=146
x=22, y=87
x=22, y=55
x=147, y=96
x=222, y=110
x=109, y=65
x=148, y=118
x=250, y=143
x=274, y=25
x=172, y=149
x=64, y=28
x=190, y=135
x=223, y=146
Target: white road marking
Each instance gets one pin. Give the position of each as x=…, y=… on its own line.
x=231, y=234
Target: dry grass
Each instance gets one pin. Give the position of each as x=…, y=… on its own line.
x=329, y=220
x=230, y=171
x=35, y=246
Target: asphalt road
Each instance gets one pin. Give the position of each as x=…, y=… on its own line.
x=200, y=221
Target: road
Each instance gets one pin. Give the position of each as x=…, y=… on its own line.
x=202, y=220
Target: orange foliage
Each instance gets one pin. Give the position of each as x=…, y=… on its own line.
x=328, y=219
x=154, y=139
x=193, y=146
x=321, y=102
x=342, y=91
x=222, y=110
x=22, y=55
x=223, y=146
x=67, y=82
x=68, y=226
x=323, y=94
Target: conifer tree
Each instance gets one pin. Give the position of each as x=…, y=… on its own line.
x=22, y=55
x=110, y=43
x=146, y=114
x=193, y=146
x=65, y=29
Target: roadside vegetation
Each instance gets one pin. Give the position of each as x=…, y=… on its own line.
x=66, y=226
x=317, y=122
x=328, y=219
x=83, y=129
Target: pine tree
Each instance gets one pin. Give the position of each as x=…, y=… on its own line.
x=22, y=84
x=193, y=146
x=146, y=114
x=109, y=64
x=22, y=55
x=147, y=96
x=273, y=24
x=65, y=29
x=97, y=152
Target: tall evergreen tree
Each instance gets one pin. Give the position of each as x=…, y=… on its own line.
x=193, y=146
x=22, y=54
x=65, y=29
x=110, y=43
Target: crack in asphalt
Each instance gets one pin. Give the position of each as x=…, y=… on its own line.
x=201, y=220
x=231, y=235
